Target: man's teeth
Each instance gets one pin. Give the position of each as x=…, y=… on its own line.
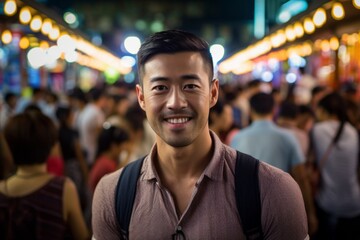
x=177, y=120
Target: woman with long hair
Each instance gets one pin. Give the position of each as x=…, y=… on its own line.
x=336, y=146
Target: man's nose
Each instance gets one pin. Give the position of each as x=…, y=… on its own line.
x=177, y=99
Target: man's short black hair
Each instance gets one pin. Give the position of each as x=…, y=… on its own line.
x=288, y=110
x=262, y=103
x=173, y=41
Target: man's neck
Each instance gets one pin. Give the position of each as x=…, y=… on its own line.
x=189, y=161
x=259, y=117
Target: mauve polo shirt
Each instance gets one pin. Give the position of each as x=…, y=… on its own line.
x=212, y=211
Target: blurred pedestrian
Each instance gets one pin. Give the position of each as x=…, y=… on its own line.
x=6, y=162
x=74, y=160
x=90, y=123
x=336, y=148
x=8, y=108
x=33, y=203
x=221, y=119
x=276, y=146
x=111, y=142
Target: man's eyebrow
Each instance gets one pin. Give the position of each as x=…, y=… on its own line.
x=190, y=77
x=157, y=79
x=184, y=77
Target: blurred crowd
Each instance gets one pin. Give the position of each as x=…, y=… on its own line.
x=103, y=129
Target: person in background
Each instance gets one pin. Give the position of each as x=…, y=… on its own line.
x=141, y=134
x=186, y=185
x=121, y=106
x=317, y=92
x=51, y=103
x=37, y=98
x=305, y=83
x=6, y=162
x=77, y=101
x=242, y=102
x=74, y=160
x=276, y=146
x=278, y=99
x=8, y=108
x=221, y=119
x=336, y=148
x=305, y=118
x=231, y=94
x=33, y=203
x=111, y=142
x=54, y=162
x=288, y=112
x=90, y=123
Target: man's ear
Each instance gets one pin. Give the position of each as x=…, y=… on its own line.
x=214, y=92
x=140, y=96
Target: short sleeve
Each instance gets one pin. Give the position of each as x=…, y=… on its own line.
x=283, y=209
x=104, y=222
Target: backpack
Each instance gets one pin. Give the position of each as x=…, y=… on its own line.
x=246, y=191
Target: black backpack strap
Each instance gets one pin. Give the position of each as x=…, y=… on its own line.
x=125, y=194
x=248, y=195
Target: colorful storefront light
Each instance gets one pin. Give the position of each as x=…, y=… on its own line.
x=87, y=53
x=309, y=23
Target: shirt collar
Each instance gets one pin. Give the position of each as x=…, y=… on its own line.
x=262, y=123
x=213, y=171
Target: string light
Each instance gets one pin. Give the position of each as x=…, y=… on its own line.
x=319, y=18
x=337, y=11
x=356, y=3
x=25, y=15
x=10, y=7
x=6, y=37
x=36, y=23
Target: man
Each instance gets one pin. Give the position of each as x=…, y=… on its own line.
x=187, y=181
x=90, y=121
x=275, y=146
x=287, y=119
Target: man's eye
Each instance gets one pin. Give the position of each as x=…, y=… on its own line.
x=160, y=88
x=191, y=86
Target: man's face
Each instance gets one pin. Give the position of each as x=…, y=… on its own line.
x=176, y=96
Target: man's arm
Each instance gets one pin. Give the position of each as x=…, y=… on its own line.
x=104, y=221
x=283, y=210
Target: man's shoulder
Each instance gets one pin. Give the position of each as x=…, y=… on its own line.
x=275, y=181
x=109, y=182
x=280, y=195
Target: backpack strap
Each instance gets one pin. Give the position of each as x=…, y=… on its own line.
x=246, y=191
x=247, y=194
x=125, y=195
